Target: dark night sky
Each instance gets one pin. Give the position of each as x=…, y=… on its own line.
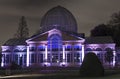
x=88, y=13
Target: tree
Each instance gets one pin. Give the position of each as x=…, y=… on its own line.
x=101, y=30
x=115, y=19
x=109, y=56
x=0, y=57
x=91, y=66
x=114, y=23
x=111, y=29
x=22, y=31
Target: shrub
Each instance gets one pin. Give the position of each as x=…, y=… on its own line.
x=91, y=66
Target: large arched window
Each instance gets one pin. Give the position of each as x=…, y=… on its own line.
x=108, y=49
x=16, y=50
x=55, y=42
x=98, y=49
x=88, y=49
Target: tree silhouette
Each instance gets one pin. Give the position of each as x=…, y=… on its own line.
x=115, y=19
x=109, y=56
x=114, y=23
x=111, y=29
x=22, y=31
x=101, y=30
x=0, y=58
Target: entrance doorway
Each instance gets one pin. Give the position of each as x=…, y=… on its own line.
x=55, y=59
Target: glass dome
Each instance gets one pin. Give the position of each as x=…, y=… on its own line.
x=59, y=18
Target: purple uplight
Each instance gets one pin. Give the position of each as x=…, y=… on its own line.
x=63, y=64
x=46, y=64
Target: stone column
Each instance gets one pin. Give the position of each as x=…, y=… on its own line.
x=83, y=53
x=37, y=55
x=63, y=53
x=46, y=54
x=114, y=54
x=2, y=63
x=28, y=57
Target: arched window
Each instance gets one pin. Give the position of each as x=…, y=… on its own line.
x=88, y=49
x=33, y=58
x=25, y=50
x=55, y=42
x=32, y=48
x=41, y=48
x=108, y=49
x=77, y=47
x=8, y=58
x=7, y=50
x=98, y=49
x=16, y=50
x=68, y=48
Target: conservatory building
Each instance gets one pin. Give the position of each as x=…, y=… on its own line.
x=58, y=44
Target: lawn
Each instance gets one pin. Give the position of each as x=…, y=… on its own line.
x=69, y=74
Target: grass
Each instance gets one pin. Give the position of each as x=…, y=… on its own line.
x=67, y=74
x=71, y=76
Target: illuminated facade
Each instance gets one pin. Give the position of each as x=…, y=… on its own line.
x=58, y=44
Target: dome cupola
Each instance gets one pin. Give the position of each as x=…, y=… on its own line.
x=59, y=18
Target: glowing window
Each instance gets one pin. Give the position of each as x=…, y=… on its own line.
x=41, y=48
x=16, y=50
x=88, y=49
x=55, y=42
x=61, y=57
x=25, y=50
x=8, y=58
x=33, y=57
x=55, y=58
x=25, y=58
x=108, y=49
x=68, y=48
x=77, y=57
x=118, y=57
x=40, y=58
x=16, y=58
x=32, y=48
x=7, y=50
x=77, y=47
x=98, y=49
x=69, y=56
